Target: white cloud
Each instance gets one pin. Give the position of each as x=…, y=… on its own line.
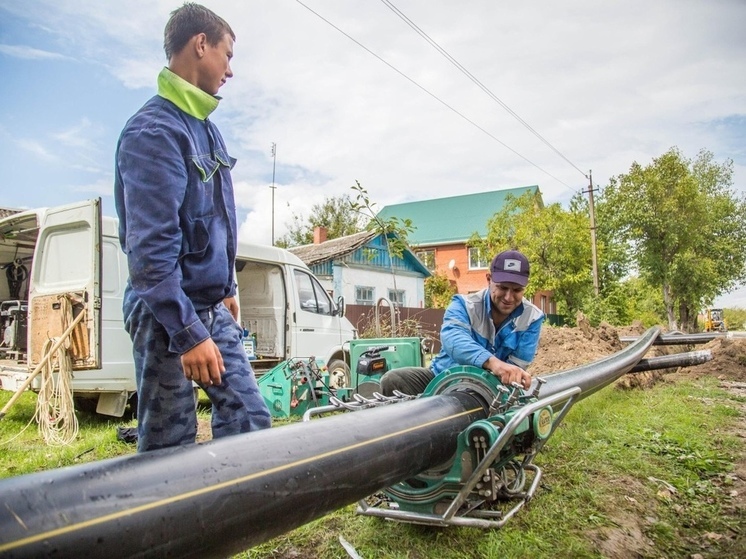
x=83, y=135
x=38, y=150
x=602, y=85
x=734, y=299
x=606, y=83
x=101, y=187
x=30, y=53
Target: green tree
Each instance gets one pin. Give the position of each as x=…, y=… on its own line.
x=395, y=230
x=439, y=291
x=335, y=214
x=684, y=229
x=556, y=242
x=735, y=318
x=624, y=302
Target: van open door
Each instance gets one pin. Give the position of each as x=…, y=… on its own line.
x=66, y=281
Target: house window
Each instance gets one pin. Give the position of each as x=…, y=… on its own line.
x=364, y=295
x=427, y=257
x=477, y=260
x=397, y=297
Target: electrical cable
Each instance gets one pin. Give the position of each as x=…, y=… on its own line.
x=478, y=83
x=14, y=437
x=451, y=108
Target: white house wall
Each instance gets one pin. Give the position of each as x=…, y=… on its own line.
x=346, y=279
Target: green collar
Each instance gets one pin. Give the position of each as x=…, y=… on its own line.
x=189, y=98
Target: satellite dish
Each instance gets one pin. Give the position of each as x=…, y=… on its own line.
x=452, y=264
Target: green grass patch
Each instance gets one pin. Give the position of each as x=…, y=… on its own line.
x=23, y=450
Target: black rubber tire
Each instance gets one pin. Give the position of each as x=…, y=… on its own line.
x=84, y=404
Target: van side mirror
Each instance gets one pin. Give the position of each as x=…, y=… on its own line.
x=340, y=306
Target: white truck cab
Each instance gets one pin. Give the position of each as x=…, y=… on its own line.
x=62, y=261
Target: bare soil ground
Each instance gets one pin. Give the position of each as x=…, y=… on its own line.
x=564, y=348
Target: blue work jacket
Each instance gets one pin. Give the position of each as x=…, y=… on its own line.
x=174, y=197
x=469, y=336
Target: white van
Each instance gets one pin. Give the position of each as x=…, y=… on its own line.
x=62, y=261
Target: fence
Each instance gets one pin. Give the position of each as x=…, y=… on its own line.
x=410, y=321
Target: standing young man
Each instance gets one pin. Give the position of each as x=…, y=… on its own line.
x=494, y=329
x=177, y=225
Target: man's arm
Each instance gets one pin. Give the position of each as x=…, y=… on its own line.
x=456, y=336
x=154, y=178
x=458, y=342
x=528, y=343
x=507, y=372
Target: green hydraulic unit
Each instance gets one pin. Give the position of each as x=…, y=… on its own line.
x=294, y=386
x=370, y=358
x=297, y=385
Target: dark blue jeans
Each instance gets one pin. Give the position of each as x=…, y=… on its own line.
x=166, y=408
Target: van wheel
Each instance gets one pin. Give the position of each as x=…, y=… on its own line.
x=84, y=404
x=339, y=374
x=132, y=406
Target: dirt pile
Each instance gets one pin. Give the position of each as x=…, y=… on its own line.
x=728, y=360
x=565, y=348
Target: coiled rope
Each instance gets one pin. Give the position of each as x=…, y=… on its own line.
x=55, y=410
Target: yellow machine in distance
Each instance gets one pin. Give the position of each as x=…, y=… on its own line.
x=715, y=321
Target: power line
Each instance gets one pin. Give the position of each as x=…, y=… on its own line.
x=478, y=83
x=402, y=74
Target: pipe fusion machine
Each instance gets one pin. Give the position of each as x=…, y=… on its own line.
x=460, y=454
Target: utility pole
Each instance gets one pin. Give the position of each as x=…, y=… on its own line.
x=274, y=159
x=593, y=232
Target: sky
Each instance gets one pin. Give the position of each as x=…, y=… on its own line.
x=528, y=93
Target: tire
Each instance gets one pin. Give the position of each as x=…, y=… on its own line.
x=131, y=411
x=339, y=374
x=85, y=404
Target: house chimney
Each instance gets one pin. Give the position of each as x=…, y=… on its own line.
x=319, y=234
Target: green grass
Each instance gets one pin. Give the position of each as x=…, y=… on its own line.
x=22, y=449
x=596, y=486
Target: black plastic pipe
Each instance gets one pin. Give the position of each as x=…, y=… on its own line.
x=594, y=376
x=687, y=359
x=679, y=338
x=218, y=498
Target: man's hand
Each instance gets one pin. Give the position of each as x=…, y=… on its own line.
x=507, y=373
x=203, y=363
x=232, y=305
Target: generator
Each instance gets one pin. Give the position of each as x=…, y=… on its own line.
x=371, y=358
x=13, y=329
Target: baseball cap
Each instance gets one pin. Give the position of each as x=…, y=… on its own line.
x=510, y=266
